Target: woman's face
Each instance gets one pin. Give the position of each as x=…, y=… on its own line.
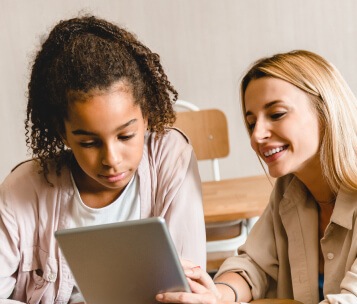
x=284, y=128
x=106, y=134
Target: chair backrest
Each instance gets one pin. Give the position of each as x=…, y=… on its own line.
x=208, y=132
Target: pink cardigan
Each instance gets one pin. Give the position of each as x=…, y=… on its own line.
x=32, y=268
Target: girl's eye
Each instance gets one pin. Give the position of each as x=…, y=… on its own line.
x=278, y=115
x=89, y=144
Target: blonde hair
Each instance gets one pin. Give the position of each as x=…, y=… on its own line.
x=335, y=104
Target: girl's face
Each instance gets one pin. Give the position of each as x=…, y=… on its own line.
x=284, y=127
x=106, y=134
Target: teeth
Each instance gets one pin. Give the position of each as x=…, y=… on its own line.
x=273, y=151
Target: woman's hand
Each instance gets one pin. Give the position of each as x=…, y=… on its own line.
x=202, y=286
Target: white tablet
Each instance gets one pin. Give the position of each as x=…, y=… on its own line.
x=126, y=262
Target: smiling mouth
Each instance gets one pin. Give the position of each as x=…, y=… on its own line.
x=274, y=151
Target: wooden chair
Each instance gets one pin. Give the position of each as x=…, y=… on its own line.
x=208, y=133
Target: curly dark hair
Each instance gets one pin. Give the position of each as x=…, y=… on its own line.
x=82, y=54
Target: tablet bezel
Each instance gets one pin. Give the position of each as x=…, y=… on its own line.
x=125, y=262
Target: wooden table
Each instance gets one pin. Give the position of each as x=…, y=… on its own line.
x=275, y=301
x=237, y=198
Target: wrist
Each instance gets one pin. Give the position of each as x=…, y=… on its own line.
x=231, y=289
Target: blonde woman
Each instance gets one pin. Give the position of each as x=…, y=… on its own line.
x=301, y=119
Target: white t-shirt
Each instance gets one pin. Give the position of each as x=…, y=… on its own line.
x=126, y=207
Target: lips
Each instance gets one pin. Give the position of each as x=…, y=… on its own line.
x=114, y=178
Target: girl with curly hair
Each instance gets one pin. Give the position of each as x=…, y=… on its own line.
x=99, y=117
x=301, y=118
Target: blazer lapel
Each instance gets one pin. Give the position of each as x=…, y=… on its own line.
x=299, y=217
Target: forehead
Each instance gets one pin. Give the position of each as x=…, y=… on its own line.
x=103, y=111
x=266, y=90
x=81, y=96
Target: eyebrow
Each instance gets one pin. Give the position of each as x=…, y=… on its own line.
x=84, y=132
x=266, y=106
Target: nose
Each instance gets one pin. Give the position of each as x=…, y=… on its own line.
x=111, y=155
x=261, y=131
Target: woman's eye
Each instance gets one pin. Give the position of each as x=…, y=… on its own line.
x=251, y=126
x=277, y=115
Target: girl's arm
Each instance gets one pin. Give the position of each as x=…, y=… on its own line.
x=185, y=217
x=9, y=254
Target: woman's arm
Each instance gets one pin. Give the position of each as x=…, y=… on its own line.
x=240, y=285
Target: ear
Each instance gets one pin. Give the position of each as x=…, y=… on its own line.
x=66, y=144
x=61, y=130
x=146, y=123
x=64, y=139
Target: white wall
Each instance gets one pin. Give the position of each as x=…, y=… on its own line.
x=205, y=46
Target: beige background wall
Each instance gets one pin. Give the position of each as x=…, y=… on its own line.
x=205, y=46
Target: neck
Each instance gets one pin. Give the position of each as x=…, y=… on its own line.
x=319, y=188
x=93, y=194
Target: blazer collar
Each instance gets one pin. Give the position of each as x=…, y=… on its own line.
x=345, y=208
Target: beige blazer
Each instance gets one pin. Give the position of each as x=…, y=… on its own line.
x=280, y=256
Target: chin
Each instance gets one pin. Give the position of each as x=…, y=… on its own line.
x=276, y=174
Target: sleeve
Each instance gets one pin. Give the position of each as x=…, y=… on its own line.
x=76, y=296
x=264, y=251
x=9, y=252
x=179, y=197
x=185, y=217
x=253, y=263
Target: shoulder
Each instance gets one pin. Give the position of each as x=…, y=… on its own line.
x=171, y=135
x=28, y=171
x=27, y=177
x=173, y=141
x=169, y=152
x=26, y=195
